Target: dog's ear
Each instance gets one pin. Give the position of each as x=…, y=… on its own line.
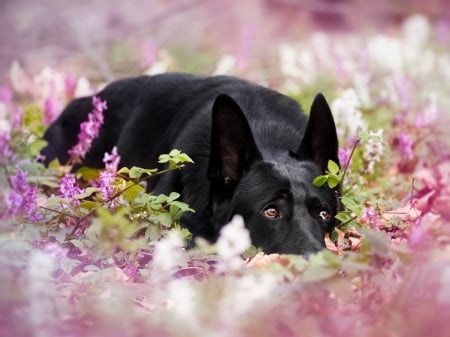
x=233, y=148
x=320, y=142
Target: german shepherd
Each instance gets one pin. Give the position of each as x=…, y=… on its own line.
x=255, y=152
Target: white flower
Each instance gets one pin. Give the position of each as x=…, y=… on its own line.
x=225, y=65
x=385, y=52
x=5, y=126
x=416, y=30
x=234, y=239
x=245, y=293
x=83, y=88
x=50, y=83
x=297, y=63
x=373, y=149
x=168, y=251
x=347, y=113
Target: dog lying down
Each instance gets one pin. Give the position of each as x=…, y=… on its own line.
x=255, y=152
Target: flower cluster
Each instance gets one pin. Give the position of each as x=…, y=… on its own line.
x=68, y=188
x=23, y=198
x=89, y=130
x=107, y=177
x=347, y=113
x=373, y=149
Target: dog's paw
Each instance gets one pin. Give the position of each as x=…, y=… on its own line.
x=261, y=260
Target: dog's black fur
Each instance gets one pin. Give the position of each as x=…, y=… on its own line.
x=255, y=152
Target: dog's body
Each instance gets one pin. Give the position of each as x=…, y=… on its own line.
x=254, y=150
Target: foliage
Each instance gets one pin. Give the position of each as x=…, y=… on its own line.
x=92, y=253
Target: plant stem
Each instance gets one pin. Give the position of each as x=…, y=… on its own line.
x=347, y=165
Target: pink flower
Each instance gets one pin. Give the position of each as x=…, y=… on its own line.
x=105, y=184
x=370, y=216
x=68, y=188
x=23, y=198
x=343, y=155
x=112, y=160
x=405, y=145
x=89, y=130
x=5, y=152
x=52, y=108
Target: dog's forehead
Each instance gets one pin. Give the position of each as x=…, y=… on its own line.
x=297, y=171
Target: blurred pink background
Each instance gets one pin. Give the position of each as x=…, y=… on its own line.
x=108, y=39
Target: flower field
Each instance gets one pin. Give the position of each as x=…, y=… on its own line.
x=91, y=254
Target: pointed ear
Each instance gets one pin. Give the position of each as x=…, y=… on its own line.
x=320, y=142
x=233, y=148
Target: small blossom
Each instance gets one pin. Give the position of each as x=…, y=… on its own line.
x=429, y=114
x=405, y=145
x=5, y=152
x=344, y=156
x=373, y=149
x=14, y=201
x=112, y=160
x=168, y=252
x=347, y=112
x=234, y=240
x=370, y=216
x=105, y=180
x=89, y=130
x=52, y=108
x=23, y=198
x=68, y=188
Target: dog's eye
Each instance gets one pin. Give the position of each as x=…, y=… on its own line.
x=271, y=212
x=324, y=215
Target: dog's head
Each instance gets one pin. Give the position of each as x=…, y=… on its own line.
x=283, y=211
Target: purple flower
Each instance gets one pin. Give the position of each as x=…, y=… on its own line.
x=14, y=201
x=344, y=156
x=112, y=160
x=370, y=216
x=23, y=198
x=5, y=152
x=405, y=145
x=105, y=180
x=52, y=108
x=89, y=130
x=68, y=188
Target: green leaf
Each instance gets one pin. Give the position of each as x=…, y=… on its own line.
x=136, y=172
x=173, y=196
x=36, y=146
x=88, y=205
x=333, y=168
x=334, y=235
x=124, y=170
x=87, y=193
x=88, y=173
x=333, y=181
x=131, y=193
x=375, y=242
x=343, y=217
x=323, y=265
x=54, y=164
x=164, y=219
x=184, y=158
x=319, y=181
x=164, y=158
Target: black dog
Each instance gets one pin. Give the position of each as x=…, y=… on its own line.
x=255, y=153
